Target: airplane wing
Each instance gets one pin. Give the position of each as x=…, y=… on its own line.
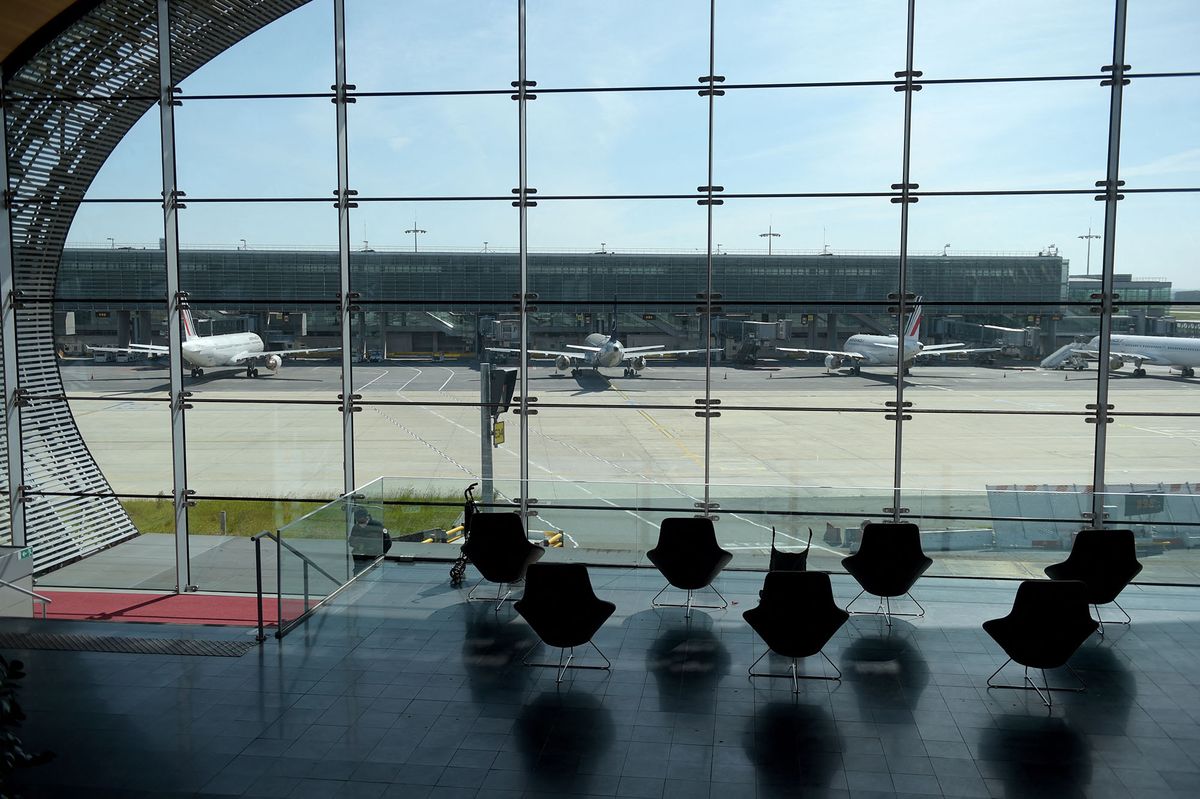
x=580, y=347
x=856, y=356
x=247, y=357
x=541, y=353
x=1153, y=359
x=1005, y=329
x=929, y=352
x=654, y=352
x=133, y=349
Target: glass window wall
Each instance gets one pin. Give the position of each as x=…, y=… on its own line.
x=456, y=270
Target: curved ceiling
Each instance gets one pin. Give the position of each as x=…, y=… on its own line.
x=20, y=19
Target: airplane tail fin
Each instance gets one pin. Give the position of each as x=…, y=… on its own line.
x=612, y=335
x=913, y=328
x=189, y=327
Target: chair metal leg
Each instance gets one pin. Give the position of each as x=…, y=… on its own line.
x=689, y=603
x=1102, y=621
x=793, y=672
x=499, y=598
x=885, y=608
x=1028, y=684
x=563, y=666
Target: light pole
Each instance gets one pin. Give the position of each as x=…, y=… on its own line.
x=945, y=247
x=112, y=245
x=1089, y=238
x=415, y=230
x=770, y=234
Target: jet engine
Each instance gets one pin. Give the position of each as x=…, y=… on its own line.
x=1115, y=363
x=832, y=362
x=639, y=363
x=274, y=362
x=562, y=363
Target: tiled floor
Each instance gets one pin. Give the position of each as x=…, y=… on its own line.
x=402, y=689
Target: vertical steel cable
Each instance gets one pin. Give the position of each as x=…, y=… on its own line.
x=708, y=250
x=341, y=102
x=902, y=274
x=1111, y=184
x=523, y=257
x=176, y=297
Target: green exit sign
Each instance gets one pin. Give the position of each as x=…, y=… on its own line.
x=25, y=554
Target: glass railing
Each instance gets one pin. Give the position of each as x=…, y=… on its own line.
x=305, y=563
x=1003, y=531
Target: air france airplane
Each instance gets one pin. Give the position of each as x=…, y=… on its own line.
x=865, y=349
x=224, y=350
x=1174, y=352
x=599, y=350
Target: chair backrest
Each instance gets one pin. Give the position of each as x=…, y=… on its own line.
x=563, y=584
x=1046, y=607
x=898, y=542
x=1104, y=559
x=687, y=532
x=1099, y=547
x=498, y=546
x=810, y=591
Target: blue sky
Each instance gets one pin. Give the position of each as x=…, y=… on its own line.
x=1036, y=135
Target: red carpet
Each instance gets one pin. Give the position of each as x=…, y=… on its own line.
x=235, y=611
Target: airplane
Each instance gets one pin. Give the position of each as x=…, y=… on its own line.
x=222, y=350
x=865, y=349
x=599, y=350
x=1174, y=352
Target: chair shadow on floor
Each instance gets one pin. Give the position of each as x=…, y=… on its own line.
x=687, y=660
x=885, y=669
x=562, y=736
x=794, y=747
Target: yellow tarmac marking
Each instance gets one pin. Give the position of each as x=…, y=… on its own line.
x=667, y=433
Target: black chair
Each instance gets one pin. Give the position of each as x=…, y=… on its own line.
x=500, y=550
x=887, y=564
x=564, y=611
x=689, y=557
x=1048, y=622
x=796, y=617
x=1106, y=561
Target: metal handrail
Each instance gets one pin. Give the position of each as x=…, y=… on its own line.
x=45, y=600
x=280, y=629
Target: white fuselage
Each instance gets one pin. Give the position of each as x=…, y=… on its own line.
x=220, y=350
x=611, y=352
x=1173, y=350
x=881, y=350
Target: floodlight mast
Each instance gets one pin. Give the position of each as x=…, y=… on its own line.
x=770, y=234
x=414, y=230
x=1089, y=236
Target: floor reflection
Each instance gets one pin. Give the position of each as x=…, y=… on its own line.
x=885, y=668
x=561, y=736
x=793, y=747
x=687, y=660
x=492, y=648
x=1037, y=756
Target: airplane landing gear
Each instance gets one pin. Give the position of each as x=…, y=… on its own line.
x=628, y=373
x=1139, y=372
x=574, y=373
x=1187, y=371
x=855, y=370
x=197, y=372
x=251, y=371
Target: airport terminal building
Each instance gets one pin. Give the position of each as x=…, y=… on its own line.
x=201, y=432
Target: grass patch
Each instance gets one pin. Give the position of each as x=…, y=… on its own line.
x=247, y=517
